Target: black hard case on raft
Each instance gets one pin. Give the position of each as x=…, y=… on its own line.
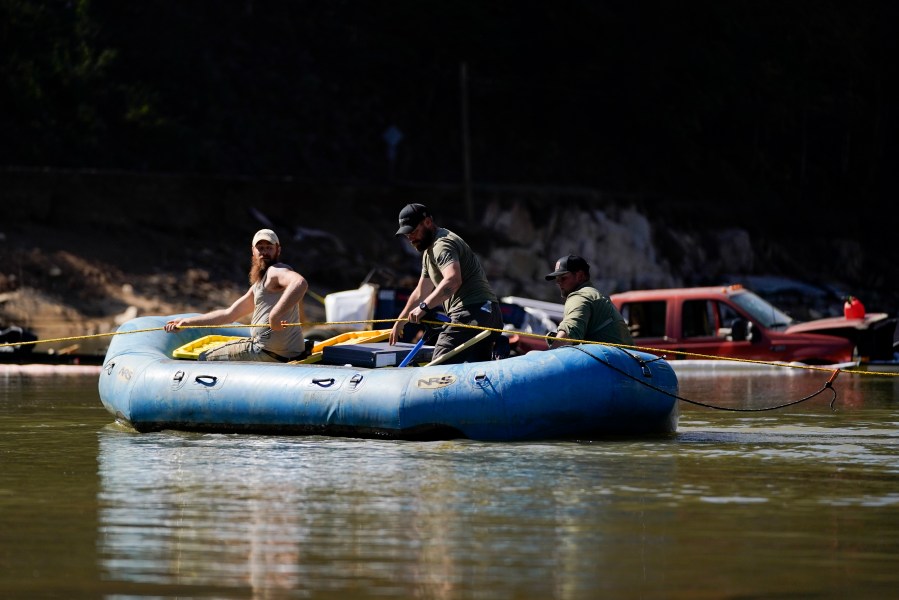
x=377, y=354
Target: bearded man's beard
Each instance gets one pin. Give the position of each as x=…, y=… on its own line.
x=427, y=238
x=258, y=267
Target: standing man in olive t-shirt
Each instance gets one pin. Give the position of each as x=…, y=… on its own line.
x=451, y=274
x=588, y=314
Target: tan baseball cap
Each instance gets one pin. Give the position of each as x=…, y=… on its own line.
x=265, y=234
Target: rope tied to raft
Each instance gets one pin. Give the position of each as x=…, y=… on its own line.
x=828, y=385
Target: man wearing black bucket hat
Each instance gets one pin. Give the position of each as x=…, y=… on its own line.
x=588, y=314
x=451, y=274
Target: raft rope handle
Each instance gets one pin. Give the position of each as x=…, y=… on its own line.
x=828, y=384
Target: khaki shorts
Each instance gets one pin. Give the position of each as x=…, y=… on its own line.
x=244, y=349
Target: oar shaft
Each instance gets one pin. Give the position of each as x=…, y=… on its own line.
x=459, y=348
x=421, y=342
x=413, y=352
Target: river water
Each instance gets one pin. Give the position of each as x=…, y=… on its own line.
x=798, y=502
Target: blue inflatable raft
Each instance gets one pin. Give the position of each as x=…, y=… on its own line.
x=583, y=392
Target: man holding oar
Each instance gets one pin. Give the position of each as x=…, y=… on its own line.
x=274, y=297
x=451, y=274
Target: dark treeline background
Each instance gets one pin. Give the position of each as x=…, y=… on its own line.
x=778, y=105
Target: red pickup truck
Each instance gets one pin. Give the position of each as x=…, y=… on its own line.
x=728, y=321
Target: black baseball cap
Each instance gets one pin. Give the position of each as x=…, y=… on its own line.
x=568, y=264
x=411, y=216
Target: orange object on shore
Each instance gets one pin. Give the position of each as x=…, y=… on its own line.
x=853, y=308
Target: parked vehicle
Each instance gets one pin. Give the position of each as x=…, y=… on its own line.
x=17, y=348
x=873, y=333
x=529, y=316
x=728, y=321
x=14, y=334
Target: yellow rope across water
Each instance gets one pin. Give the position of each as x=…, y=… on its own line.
x=660, y=352
x=656, y=351
x=77, y=338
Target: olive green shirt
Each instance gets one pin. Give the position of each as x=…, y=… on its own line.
x=591, y=316
x=449, y=248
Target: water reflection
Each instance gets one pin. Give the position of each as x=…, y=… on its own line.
x=766, y=387
x=265, y=514
x=790, y=502
x=799, y=502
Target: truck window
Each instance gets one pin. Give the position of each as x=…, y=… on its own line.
x=726, y=318
x=698, y=319
x=760, y=310
x=645, y=319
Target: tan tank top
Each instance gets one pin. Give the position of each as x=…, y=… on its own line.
x=289, y=341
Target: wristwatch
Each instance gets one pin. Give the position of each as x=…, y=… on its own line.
x=423, y=306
